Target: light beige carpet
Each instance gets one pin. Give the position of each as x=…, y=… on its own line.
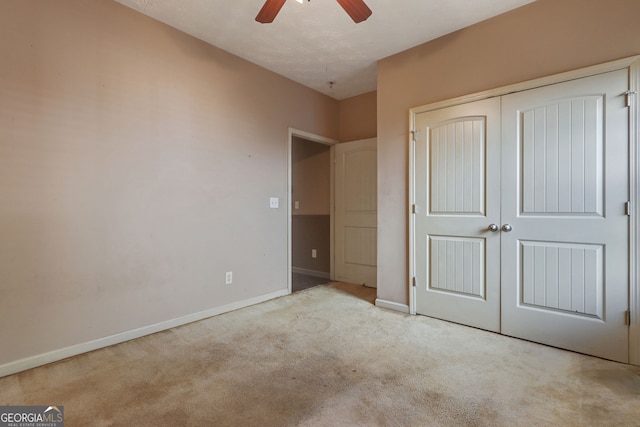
x=328, y=357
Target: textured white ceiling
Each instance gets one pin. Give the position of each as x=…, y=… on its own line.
x=316, y=42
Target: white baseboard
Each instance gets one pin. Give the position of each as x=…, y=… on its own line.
x=63, y=353
x=403, y=308
x=313, y=273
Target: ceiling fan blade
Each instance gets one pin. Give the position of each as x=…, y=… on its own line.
x=269, y=11
x=356, y=9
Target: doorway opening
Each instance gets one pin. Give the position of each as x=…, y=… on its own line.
x=310, y=210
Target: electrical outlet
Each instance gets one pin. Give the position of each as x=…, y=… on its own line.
x=314, y=253
x=228, y=278
x=274, y=202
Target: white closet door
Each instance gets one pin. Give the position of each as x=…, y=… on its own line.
x=356, y=188
x=564, y=186
x=457, y=197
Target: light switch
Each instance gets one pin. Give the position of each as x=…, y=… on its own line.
x=273, y=202
x=297, y=205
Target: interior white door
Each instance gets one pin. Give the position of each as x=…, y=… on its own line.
x=565, y=184
x=550, y=168
x=356, y=212
x=457, y=198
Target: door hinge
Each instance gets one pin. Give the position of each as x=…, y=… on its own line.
x=414, y=135
x=627, y=208
x=413, y=282
x=628, y=95
x=413, y=208
x=627, y=317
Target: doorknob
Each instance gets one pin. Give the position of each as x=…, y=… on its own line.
x=507, y=228
x=493, y=227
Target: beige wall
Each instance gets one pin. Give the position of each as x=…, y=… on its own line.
x=310, y=177
x=136, y=166
x=543, y=38
x=311, y=232
x=358, y=117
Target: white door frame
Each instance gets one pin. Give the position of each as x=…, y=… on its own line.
x=633, y=65
x=321, y=140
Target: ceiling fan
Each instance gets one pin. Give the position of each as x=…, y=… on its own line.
x=356, y=9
